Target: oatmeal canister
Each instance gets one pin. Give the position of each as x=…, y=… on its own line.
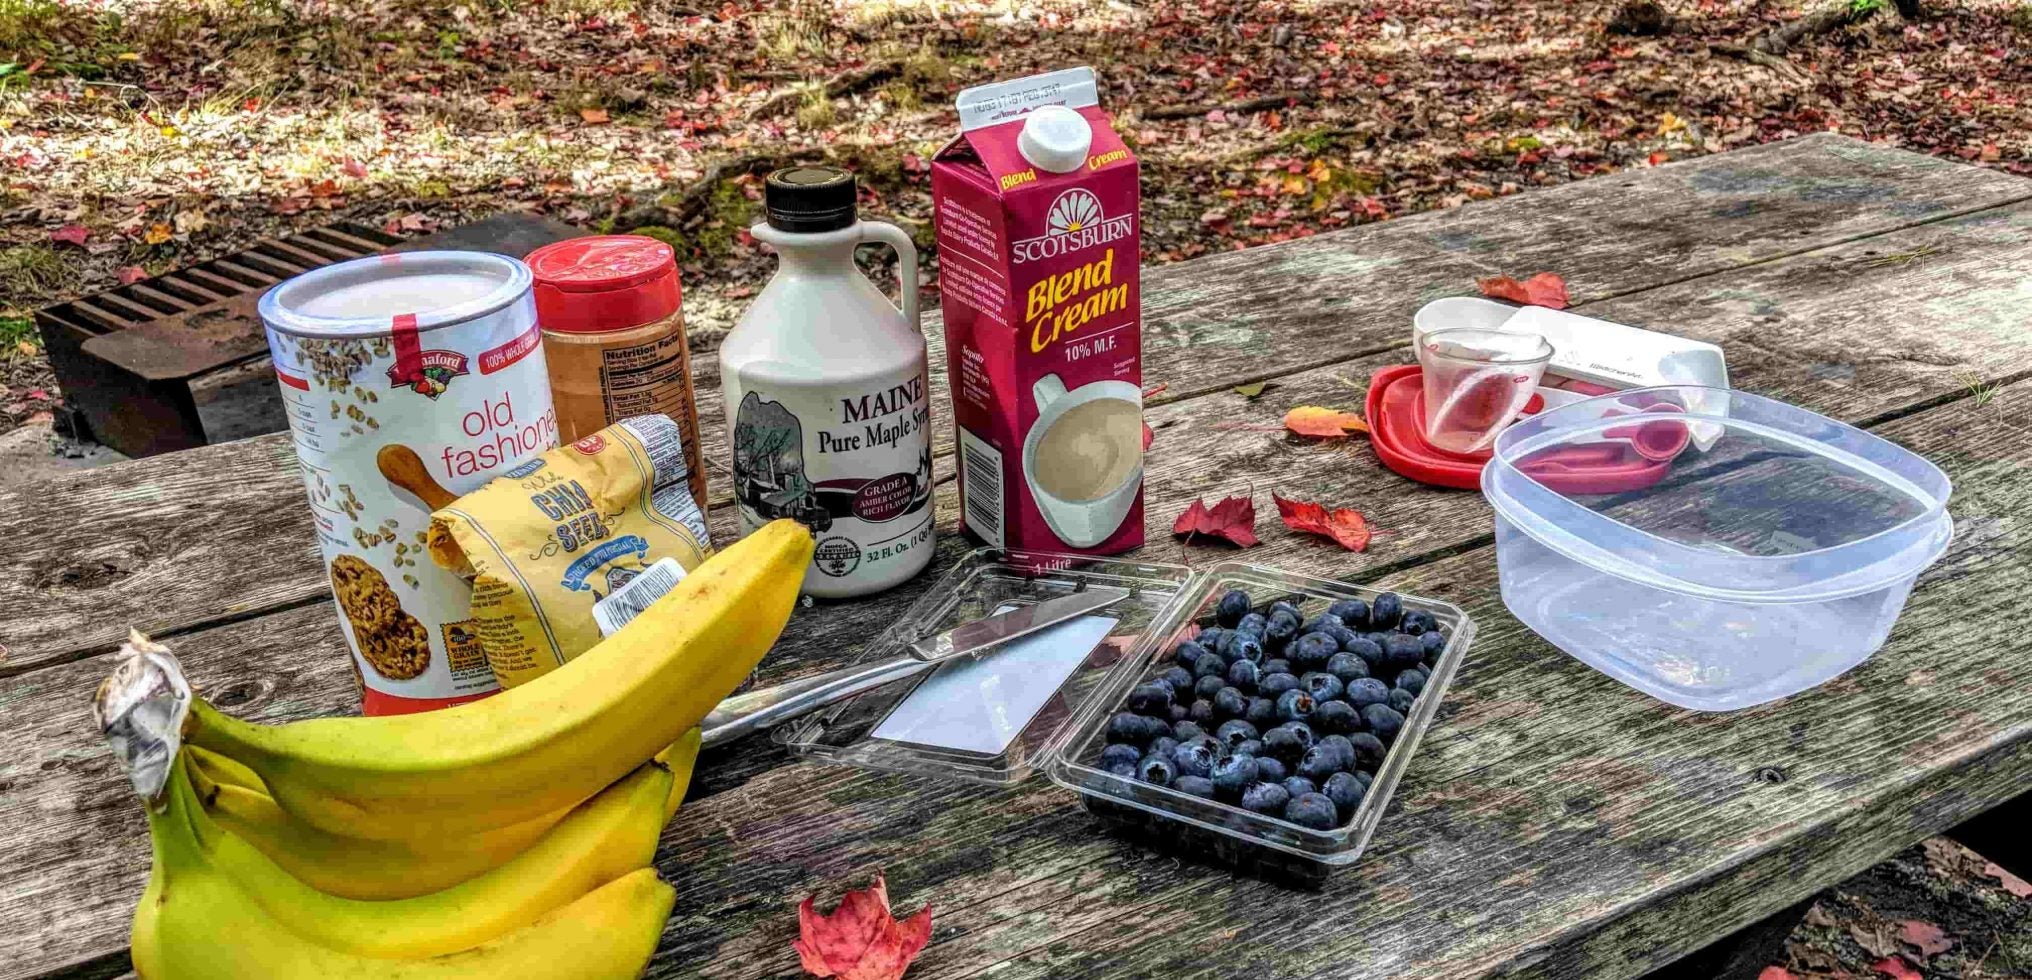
x=410, y=379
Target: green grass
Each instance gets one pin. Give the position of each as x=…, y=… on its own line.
x=31, y=271
x=14, y=330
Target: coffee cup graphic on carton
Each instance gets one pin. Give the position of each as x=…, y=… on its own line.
x=1036, y=207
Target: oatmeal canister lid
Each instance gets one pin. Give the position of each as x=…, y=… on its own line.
x=382, y=295
x=604, y=282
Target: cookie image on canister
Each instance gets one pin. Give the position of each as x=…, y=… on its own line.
x=392, y=642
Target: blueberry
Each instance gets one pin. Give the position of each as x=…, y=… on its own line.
x=1262, y=712
x=1194, y=759
x=1242, y=675
x=1383, y=720
x=1365, y=691
x=1265, y=797
x=1271, y=769
x=1150, y=699
x=1230, y=703
x=1271, y=685
x=1232, y=607
x=1312, y=651
x=1295, y=705
x=1302, y=731
x=1346, y=790
x=1281, y=628
x=1119, y=752
x=1368, y=651
x=1120, y=768
x=1369, y=750
x=1337, y=716
x=1353, y=612
x=1384, y=611
x=1276, y=665
x=1367, y=778
x=1233, y=733
x=1156, y=770
x=1401, y=651
x=1282, y=605
x=1432, y=644
x=1199, y=786
x=1212, y=744
x=1178, y=712
x=1321, y=685
x=1178, y=679
x=1244, y=647
x=1418, y=622
x=1187, y=652
x=1210, y=638
x=1162, y=745
x=1325, y=622
x=1251, y=747
x=1402, y=699
x=1127, y=727
x=1284, y=743
x=1202, y=712
x=1312, y=810
x=1299, y=785
x=1186, y=731
x=1253, y=624
x=1209, y=664
x=1347, y=667
x=1233, y=774
x=1343, y=636
x=1206, y=687
x=1320, y=762
x=1411, y=680
x=1342, y=747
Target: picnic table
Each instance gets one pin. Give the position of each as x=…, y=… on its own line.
x=1554, y=822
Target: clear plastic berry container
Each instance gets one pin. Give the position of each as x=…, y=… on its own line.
x=1218, y=832
x=1711, y=548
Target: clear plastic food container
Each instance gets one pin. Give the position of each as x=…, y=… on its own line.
x=1065, y=737
x=1763, y=557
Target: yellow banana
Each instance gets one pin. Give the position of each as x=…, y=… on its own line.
x=544, y=745
x=604, y=838
x=196, y=922
x=371, y=870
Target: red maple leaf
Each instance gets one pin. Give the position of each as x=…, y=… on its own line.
x=132, y=274
x=353, y=168
x=1896, y=969
x=1926, y=937
x=2012, y=883
x=1543, y=289
x=1345, y=526
x=860, y=940
x=1775, y=973
x=1233, y=519
x=71, y=235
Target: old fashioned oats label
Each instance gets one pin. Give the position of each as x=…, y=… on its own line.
x=408, y=380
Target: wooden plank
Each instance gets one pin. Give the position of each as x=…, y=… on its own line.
x=1217, y=445
x=1209, y=324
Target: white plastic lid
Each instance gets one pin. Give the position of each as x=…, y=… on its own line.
x=361, y=297
x=1055, y=138
x=1784, y=506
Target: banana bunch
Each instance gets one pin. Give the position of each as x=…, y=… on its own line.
x=504, y=838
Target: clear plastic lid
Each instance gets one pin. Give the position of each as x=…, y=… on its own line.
x=1771, y=503
x=992, y=716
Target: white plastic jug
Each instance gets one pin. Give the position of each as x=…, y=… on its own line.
x=826, y=394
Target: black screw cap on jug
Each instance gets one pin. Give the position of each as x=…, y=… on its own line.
x=810, y=199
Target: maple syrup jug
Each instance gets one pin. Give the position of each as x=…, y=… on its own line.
x=826, y=395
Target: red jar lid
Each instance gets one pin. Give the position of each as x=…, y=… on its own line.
x=604, y=282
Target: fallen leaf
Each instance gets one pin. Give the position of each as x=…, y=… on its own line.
x=191, y=222
x=861, y=939
x=37, y=394
x=132, y=274
x=1925, y=937
x=1990, y=153
x=595, y=116
x=1345, y=526
x=353, y=168
x=157, y=234
x=1896, y=969
x=2012, y=883
x=1818, y=917
x=1233, y=519
x=71, y=235
x=1251, y=391
x=1544, y=289
x=26, y=348
x=1658, y=157
x=1776, y=973
x=1670, y=123
x=1148, y=437
x=1323, y=423
x=1876, y=942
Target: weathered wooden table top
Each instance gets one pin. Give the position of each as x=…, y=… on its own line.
x=1554, y=822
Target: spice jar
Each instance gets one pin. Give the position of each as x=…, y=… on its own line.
x=613, y=333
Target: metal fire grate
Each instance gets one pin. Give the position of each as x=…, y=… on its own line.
x=180, y=360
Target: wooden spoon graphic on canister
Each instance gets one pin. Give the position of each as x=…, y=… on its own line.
x=404, y=470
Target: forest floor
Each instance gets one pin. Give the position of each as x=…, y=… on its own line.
x=139, y=137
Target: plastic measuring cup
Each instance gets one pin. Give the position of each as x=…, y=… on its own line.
x=1476, y=381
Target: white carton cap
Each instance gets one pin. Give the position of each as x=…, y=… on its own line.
x=1055, y=138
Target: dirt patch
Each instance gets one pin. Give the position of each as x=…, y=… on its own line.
x=1934, y=910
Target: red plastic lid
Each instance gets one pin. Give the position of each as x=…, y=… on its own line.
x=604, y=282
x=1396, y=416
